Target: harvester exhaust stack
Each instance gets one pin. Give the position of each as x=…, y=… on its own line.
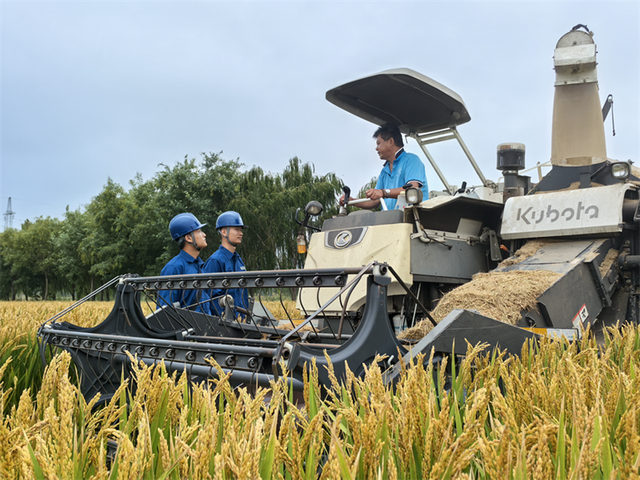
x=578, y=131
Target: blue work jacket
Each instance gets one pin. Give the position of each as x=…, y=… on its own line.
x=185, y=264
x=225, y=261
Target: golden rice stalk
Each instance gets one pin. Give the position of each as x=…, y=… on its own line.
x=539, y=459
x=331, y=469
x=135, y=459
x=62, y=427
x=164, y=453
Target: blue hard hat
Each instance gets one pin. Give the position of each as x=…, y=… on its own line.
x=182, y=224
x=229, y=219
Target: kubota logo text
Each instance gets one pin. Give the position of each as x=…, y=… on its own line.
x=530, y=216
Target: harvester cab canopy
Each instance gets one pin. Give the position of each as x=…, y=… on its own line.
x=415, y=102
x=424, y=110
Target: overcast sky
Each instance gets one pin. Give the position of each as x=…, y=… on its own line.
x=92, y=90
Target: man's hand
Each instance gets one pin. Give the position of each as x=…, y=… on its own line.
x=375, y=194
x=341, y=201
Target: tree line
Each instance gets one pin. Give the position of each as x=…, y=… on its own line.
x=126, y=231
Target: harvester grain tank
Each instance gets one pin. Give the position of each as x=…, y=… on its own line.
x=578, y=226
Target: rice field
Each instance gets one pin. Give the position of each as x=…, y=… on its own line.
x=560, y=410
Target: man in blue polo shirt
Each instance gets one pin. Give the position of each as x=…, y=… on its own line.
x=185, y=229
x=399, y=169
x=231, y=229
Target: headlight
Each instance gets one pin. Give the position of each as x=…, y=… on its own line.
x=313, y=208
x=414, y=196
x=620, y=170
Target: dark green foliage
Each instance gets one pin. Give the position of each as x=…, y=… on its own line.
x=30, y=259
x=268, y=203
x=73, y=270
x=126, y=231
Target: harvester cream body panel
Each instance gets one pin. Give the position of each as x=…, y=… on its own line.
x=433, y=246
x=384, y=243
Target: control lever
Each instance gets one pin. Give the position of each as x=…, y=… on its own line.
x=343, y=208
x=462, y=189
x=347, y=195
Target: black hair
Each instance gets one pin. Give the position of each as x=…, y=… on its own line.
x=181, y=241
x=390, y=130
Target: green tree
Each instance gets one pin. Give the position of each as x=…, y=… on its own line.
x=124, y=231
x=103, y=248
x=203, y=188
x=9, y=277
x=33, y=257
x=73, y=270
x=141, y=229
x=268, y=203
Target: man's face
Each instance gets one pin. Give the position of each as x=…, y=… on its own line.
x=235, y=235
x=200, y=238
x=386, y=148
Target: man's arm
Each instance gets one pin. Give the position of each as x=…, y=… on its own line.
x=365, y=205
x=414, y=173
x=377, y=194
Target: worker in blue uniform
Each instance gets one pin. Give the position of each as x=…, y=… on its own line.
x=226, y=259
x=185, y=229
x=399, y=169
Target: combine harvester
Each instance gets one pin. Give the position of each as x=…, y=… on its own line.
x=369, y=273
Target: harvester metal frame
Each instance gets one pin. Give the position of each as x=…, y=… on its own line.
x=255, y=350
